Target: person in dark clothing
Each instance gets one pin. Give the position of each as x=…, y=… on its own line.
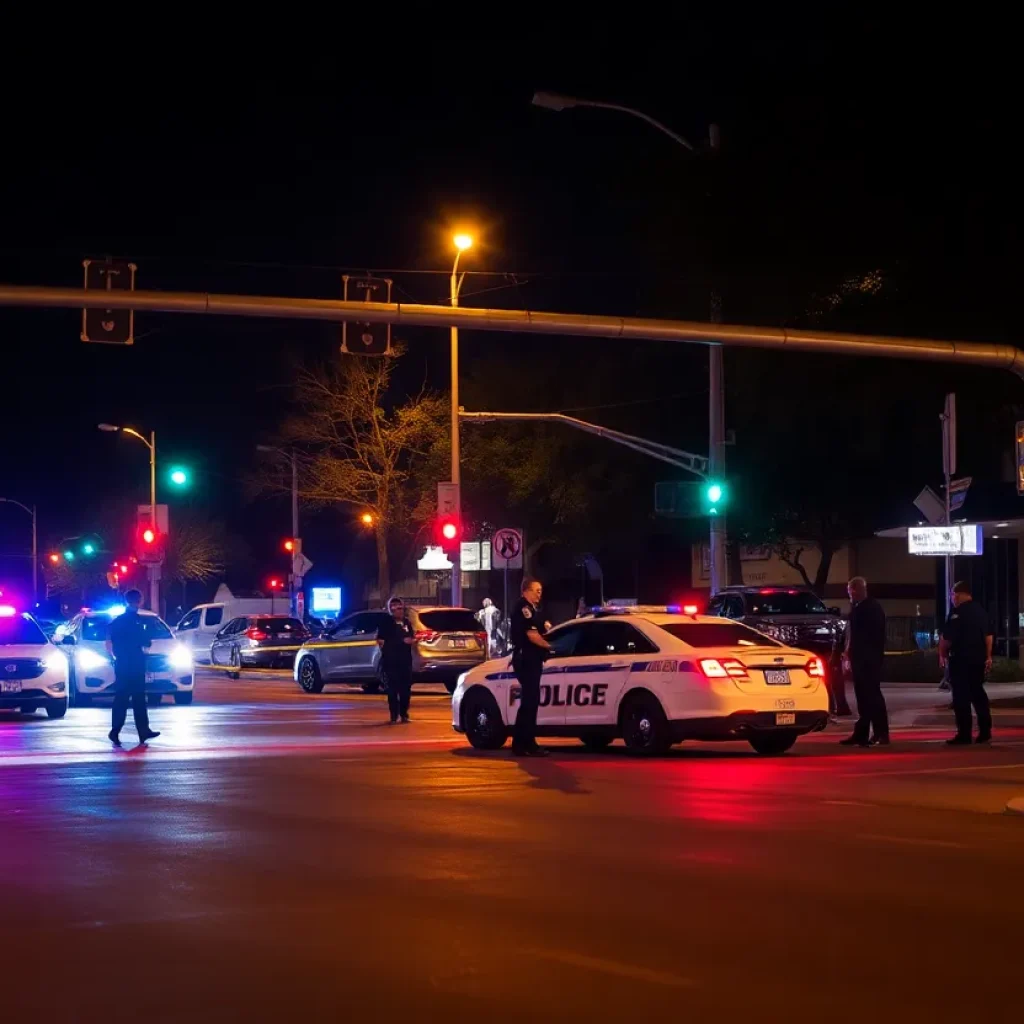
x=395, y=639
x=865, y=652
x=966, y=646
x=529, y=649
x=127, y=641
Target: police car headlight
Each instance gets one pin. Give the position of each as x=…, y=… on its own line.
x=55, y=662
x=89, y=660
x=181, y=658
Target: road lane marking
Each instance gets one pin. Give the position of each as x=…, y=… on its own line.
x=910, y=841
x=613, y=967
x=932, y=771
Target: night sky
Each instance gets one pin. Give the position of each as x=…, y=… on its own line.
x=843, y=152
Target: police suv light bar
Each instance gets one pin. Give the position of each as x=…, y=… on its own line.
x=644, y=609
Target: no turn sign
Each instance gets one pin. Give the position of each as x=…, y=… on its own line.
x=507, y=548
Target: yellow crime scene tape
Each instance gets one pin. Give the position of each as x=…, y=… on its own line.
x=278, y=650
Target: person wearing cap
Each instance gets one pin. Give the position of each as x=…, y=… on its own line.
x=966, y=647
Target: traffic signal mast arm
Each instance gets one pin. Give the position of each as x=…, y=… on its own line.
x=696, y=464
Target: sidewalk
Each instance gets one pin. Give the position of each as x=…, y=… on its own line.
x=924, y=704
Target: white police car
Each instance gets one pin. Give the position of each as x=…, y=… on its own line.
x=169, y=668
x=654, y=677
x=33, y=673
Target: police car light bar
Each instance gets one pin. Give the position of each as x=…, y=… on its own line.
x=7, y=611
x=643, y=609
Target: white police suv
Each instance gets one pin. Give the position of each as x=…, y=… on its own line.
x=654, y=676
x=169, y=668
x=33, y=673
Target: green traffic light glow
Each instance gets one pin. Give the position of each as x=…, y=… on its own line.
x=69, y=556
x=88, y=549
x=715, y=493
x=179, y=476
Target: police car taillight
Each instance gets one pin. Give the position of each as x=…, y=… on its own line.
x=815, y=668
x=722, y=668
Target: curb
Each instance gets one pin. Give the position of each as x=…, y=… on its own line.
x=1016, y=806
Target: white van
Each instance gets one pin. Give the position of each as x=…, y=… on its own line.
x=198, y=627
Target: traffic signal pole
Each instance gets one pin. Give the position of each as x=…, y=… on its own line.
x=153, y=571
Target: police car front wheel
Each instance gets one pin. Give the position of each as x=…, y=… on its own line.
x=482, y=721
x=56, y=708
x=644, y=726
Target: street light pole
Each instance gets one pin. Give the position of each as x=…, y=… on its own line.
x=152, y=571
x=462, y=242
x=35, y=543
x=716, y=376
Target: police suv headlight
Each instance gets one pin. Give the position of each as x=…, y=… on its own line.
x=181, y=658
x=55, y=662
x=89, y=660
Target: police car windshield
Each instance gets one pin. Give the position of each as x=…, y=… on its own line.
x=19, y=629
x=717, y=634
x=96, y=628
x=782, y=602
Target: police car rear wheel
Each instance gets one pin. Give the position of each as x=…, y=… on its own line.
x=644, y=726
x=596, y=743
x=482, y=721
x=773, y=742
x=309, y=676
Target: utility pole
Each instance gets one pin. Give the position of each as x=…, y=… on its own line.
x=462, y=242
x=948, y=419
x=153, y=571
x=294, y=580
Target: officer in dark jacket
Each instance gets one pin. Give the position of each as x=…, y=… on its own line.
x=395, y=639
x=865, y=650
x=966, y=646
x=127, y=641
x=529, y=649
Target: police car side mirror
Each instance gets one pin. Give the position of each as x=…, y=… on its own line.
x=68, y=640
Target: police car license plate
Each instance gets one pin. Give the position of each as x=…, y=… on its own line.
x=786, y=718
x=10, y=686
x=776, y=677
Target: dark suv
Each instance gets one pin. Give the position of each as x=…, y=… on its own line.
x=794, y=616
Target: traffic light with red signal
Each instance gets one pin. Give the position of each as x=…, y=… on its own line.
x=448, y=532
x=150, y=544
x=289, y=545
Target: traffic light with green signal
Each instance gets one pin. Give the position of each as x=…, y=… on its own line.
x=716, y=497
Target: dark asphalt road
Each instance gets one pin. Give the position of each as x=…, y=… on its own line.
x=280, y=857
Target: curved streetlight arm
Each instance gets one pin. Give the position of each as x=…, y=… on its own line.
x=11, y=501
x=695, y=464
x=555, y=101
x=135, y=433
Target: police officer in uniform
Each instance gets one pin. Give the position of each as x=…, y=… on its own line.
x=127, y=641
x=529, y=649
x=966, y=646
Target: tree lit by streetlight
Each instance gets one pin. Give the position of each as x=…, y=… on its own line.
x=463, y=241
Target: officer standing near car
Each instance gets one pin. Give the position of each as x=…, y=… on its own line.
x=127, y=641
x=865, y=652
x=529, y=649
x=966, y=646
x=395, y=638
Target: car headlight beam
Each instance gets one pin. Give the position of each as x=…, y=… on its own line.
x=89, y=661
x=55, y=662
x=181, y=658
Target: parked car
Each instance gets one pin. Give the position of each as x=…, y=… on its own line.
x=795, y=616
x=448, y=642
x=251, y=641
x=199, y=627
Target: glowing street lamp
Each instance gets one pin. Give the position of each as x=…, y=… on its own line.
x=366, y=519
x=462, y=242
